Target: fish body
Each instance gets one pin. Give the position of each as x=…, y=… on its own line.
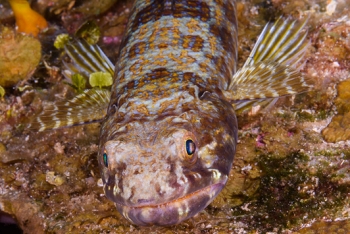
x=175, y=58
x=169, y=130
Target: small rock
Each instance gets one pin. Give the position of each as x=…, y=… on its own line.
x=59, y=148
x=53, y=179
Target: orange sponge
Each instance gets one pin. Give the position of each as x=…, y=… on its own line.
x=27, y=20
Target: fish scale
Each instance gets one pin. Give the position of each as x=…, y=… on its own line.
x=161, y=38
x=169, y=130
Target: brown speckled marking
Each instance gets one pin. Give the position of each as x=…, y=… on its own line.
x=137, y=48
x=194, y=43
x=178, y=9
x=175, y=58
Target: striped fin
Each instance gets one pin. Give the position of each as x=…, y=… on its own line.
x=88, y=107
x=271, y=70
x=248, y=105
x=268, y=80
x=283, y=42
x=86, y=59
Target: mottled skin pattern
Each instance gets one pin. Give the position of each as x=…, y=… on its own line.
x=175, y=59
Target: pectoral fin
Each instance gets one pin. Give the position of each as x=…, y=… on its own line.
x=87, y=107
x=86, y=59
x=283, y=41
x=266, y=80
x=271, y=70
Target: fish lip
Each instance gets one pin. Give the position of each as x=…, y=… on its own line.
x=172, y=212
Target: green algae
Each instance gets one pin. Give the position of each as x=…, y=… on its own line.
x=304, y=116
x=100, y=79
x=290, y=194
x=323, y=114
x=89, y=31
x=61, y=41
x=78, y=83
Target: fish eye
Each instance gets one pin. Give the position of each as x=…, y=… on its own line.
x=190, y=147
x=105, y=159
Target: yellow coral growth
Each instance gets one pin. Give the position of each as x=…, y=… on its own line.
x=27, y=20
x=339, y=128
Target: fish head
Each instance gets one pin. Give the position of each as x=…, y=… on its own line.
x=163, y=171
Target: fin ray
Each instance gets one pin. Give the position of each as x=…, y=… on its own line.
x=86, y=59
x=271, y=69
x=278, y=38
x=267, y=80
x=87, y=107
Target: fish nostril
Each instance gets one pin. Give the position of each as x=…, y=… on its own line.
x=137, y=171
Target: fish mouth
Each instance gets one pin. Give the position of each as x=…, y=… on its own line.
x=172, y=212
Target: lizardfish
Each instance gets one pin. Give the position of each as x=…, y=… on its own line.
x=169, y=131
